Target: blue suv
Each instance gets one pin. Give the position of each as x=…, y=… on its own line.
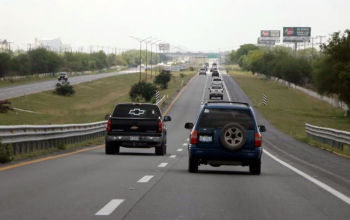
x=226, y=133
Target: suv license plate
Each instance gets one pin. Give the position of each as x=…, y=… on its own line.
x=205, y=138
x=134, y=138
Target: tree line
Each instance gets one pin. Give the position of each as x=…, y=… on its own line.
x=329, y=74
x=41, y=60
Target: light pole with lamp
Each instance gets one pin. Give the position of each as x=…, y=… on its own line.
x=147, y=53
x=139, y=40
x=154, y=43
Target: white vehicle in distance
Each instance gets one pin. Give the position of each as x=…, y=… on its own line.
x=216, y=92
x=217, y=82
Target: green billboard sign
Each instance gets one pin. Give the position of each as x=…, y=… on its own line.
x=297, y=32
x=212, y=56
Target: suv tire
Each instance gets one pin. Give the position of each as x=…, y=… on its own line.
x=109, y=148
x=162, y=149
x=192, y=165
x=255, y=167
x=233, y=136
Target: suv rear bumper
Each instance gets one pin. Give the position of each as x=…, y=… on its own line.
x=217, y=154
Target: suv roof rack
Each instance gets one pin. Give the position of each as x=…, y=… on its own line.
x=217, y=102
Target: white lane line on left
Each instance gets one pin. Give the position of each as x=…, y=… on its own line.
x=226, y=89
x=179, y=149
x=145, y=179
x=311, y=179
x=110, y=207
x=163, y=165
x=172, y=156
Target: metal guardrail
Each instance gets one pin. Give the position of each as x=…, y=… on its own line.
x=335, y=138
x=26, y=138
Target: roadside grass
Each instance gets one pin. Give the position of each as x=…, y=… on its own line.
x=36, y=79
x=92, y=101
x=289, y=109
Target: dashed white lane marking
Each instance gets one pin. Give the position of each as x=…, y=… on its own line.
x=163, y=165
x=110, y=207
x=20, y=90
x=317, y=182
x=11, y=92
x=172, y=156
x=184, y=144
x=179, y=149
x=187, y=139
x=145, y=179
x=36, y=87
x=205, y=86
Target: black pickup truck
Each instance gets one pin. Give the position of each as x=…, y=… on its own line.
x=134, y=125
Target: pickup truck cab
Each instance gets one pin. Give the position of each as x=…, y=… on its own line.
x=217, y=82
x=217, y=92
x=138, y=125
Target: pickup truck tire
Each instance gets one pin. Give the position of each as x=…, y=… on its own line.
x=162, y=149
x=192, y=165
x=116, y=146
x=109, y=149
x=255, y=167
x=222, y=98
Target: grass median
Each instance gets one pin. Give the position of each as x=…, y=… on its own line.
x=92, y=101
x=289, y=109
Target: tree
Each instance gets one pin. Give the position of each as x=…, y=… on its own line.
x=5, y=64
x=142, y=91
x=64, y=89
x=163, y=79
x=244, y=49
x=332, y=73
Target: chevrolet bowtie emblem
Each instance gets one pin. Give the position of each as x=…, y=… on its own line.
x=134, y=127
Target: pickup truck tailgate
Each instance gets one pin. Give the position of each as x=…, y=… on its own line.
x=134, y=125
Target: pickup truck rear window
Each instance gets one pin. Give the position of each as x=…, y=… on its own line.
x=136, y=111
x=218, y=118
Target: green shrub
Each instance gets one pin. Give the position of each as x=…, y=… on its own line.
x=5, y=106
x=163, y=79
x=142, y=91
x=64, y=89
x=6, y=153
x=182, y=75
x=191, y=68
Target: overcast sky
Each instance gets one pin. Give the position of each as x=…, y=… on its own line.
x=197, y=25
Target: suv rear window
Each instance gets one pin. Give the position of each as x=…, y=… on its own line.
x=202, y=69
x=216, y=87
x=136, y=111
x=218, y=118
x=216, y=79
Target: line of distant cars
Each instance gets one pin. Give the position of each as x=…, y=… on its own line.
x=216, y=89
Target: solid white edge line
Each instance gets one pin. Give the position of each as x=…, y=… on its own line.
x=172, y=156
x=163, y=165
x=110, y=207
x=317, y=182
x=145, y=179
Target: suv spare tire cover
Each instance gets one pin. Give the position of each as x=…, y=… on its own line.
x=233, y=136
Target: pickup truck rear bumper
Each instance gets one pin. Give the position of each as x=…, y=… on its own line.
x=135, y=138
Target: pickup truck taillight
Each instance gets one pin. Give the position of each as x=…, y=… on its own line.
x=194, y=138
x=257, y=141
x=108, y=128
x=160, y=126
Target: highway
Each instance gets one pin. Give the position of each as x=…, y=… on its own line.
x=297, y=181
x=26, y=89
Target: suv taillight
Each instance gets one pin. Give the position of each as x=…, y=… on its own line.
x=258, y=140
x=194, y=139
x=108, y=128
x=160, y=126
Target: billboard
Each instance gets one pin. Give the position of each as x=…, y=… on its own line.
x=268, y=41
x=164, y=47
x=296, y=34
x=268, y=35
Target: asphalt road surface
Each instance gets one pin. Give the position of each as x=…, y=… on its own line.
x=297, y=181
x=11, y=92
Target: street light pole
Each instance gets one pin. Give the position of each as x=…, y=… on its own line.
x=154, y=43
x=147, y=53
x=139, y=40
